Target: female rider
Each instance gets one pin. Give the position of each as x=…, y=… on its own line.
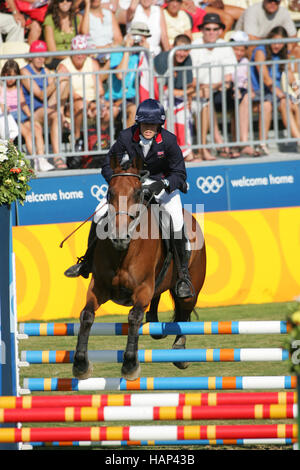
x=162, y=157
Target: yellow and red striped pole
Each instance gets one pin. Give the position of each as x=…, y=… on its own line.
x=136, y=433
x=149, y=399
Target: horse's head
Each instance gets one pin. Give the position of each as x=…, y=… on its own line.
x=124, y=198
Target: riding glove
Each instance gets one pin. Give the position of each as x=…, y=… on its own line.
x=156, y=187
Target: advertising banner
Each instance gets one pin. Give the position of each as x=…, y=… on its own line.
x=252, y=257
x=219, y=188
x=251, y=225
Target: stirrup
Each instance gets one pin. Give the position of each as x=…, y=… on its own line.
x=184, y=287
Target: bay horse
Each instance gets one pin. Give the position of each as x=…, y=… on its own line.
x=127, y=270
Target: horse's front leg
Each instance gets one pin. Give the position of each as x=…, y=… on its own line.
x=82, y=368
x=141, y=298
x=131, y=367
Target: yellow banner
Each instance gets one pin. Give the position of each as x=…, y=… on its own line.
x=252, y=257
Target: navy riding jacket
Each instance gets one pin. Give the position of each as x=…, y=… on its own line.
x=164, y=159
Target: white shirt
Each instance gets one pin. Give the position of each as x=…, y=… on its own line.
x=101, y=32
x=215, y=57
x=145, y=144
x=153, y=23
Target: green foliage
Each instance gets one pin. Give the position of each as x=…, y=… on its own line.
x=15, y=173
x=293, y=341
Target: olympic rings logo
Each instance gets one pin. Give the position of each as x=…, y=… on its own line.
x=99, y=192
x=210, y=184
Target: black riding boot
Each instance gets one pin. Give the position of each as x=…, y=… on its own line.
x=85, y=263
x=184, y=286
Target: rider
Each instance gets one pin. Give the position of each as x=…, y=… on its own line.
x=162, y=157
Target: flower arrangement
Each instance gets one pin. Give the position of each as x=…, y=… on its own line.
x=293, y=341
x=15, y=173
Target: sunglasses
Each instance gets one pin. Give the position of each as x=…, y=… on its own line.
x=62, y=1
x=211, y=29
x=273, y=1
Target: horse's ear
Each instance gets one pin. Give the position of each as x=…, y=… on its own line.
x=137, y=163
x=114, y=162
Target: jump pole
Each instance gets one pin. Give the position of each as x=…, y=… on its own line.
x=159, y=383
x=161, y=355
x=147, y=413
x=195, y=442
x=136, y=433
x=149, y=399
x=157, y=328
x=8, y=360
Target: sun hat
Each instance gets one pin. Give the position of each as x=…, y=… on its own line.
x=38, y=46
x=139, y=28
x=239, y=36
x=212, y=18
x=79, y=42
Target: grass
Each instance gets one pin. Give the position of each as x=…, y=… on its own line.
x=274, y=311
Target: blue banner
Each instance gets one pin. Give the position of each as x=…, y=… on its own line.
x=218, y=187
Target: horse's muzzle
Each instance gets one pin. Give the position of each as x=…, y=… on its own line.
x=121, y=244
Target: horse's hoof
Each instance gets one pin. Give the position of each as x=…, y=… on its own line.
x=81, y=374
x=131, y=375
x=179, y=343
x=158, y=336
x=181, y=365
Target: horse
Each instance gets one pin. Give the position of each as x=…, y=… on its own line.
x=135, y=271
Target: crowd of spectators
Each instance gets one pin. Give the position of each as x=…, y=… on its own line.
x=159, y=25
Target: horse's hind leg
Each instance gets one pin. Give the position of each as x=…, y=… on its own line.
x=183, y=309
x=151, y=315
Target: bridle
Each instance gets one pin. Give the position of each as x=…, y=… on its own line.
x=142, y=202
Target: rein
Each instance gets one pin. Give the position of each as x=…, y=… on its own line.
x=141, y=177
x=136, y=219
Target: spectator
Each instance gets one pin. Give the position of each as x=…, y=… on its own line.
x=11, y=98
x=60, y=26
x=152, y=15
x=121, y=12
x=221, y=60
x=272, y=83
x=10, y=24
x=138, y=35
x=100, y=25
x=260, y=18
x=177, y=20
x=30, y=14
x=197, y=14
x=84, y=86
x=229, y=14
x=240, y=79
x=182, y=112
x=36, y=86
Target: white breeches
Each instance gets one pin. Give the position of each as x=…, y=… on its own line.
x=171, y=202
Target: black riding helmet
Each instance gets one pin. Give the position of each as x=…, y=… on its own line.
x=150, y=111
